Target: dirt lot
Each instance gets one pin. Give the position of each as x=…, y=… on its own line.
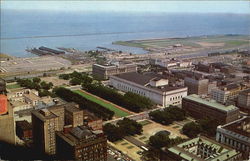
x=151, y=129
x=209, y=44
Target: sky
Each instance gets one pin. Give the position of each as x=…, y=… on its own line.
x=237, y=7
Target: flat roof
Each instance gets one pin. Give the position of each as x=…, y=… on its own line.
x=17, y=103
x=239, y=126
x=222, y=152
x=144, y=80
x=211, y=103
x=246, y=92
x=41, y=116
x=136, y=78
x=32, y=96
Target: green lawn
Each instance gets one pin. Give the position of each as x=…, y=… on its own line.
x=111, y=107
x=13, y=86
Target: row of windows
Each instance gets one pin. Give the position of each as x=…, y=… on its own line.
x=123, y=87
x=175, y=98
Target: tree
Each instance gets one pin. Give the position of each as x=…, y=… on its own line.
x=129, y=126
x=45, y=85
x=208, y=126
x=123, y=128
x=113, y=133
x=191, y=129
x=168, y=115
x=64, y=76
x=75, y=81
x=159, y=140
x=36, y=80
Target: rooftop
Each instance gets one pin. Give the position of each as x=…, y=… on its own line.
x=44, y=114
x=18, y=103
x=241, y=126
x=32, y=96
x=144, y=80
x=80, y=134
x=246, y=92
x=187, y=150
x=136, y=78
x=112, y=65
x=211, y=103
x=72, y=107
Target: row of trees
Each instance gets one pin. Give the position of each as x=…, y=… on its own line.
x=36, y=83
x=84, y=103
x=204, y=126
x=168, y=115
x=131, y=101
x=123, y=128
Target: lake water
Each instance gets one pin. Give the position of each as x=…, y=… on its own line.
x=86, y=31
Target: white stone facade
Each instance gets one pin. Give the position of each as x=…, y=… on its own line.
x=163, y=98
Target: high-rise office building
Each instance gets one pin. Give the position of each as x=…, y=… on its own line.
x=44, y=125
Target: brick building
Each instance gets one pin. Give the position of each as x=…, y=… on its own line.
x=24, y=130
x=81, y=143
x=201, y=108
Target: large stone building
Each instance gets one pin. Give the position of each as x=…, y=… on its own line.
x=155, y=88
x=236, y=135
x=59, y=110
x=73, y=115
x=196, y=86
x=105, y=71
x=228, y=92
x=170, y=63
x=244, y=99
x=81, y=143
x=200, y=108
x=44, y=125
x=201, y=149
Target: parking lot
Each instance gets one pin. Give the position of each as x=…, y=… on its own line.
x=44, y=63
